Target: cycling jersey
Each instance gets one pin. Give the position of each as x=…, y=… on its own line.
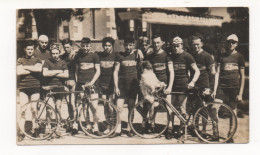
x=107, y=61
x=181, y=64
x=128, y=64
x=204, y=62
x=32, y=79
x=127, y=81
x=160, y=65
x=86, y=65
x=52, y=64
x=71, y=65
x=229, y=70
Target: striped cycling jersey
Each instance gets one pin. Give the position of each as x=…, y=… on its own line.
x=204, y=62
x=107, y=62
x=128, y=63
x=32, y=79
x=181, y=65
x=229, y=69
x=86, y=65
x=160, y=65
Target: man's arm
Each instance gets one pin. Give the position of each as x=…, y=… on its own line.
x=35, y=68
x=242, y=83
x=216, y=81
x=64, y=74
x=115, y=75
x=196, y=74
x=171, y=78
x=48, y=73
x=97, y=74
x=21, y=71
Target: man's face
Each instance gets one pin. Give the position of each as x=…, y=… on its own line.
x=231, y=45
x=177, y=48
x=43, y=44
x=55, y=54
x=29, y=51
x=86, y=47
x=196, y=45
x=144, y=46
x=108, y=47
x=129, y=47
x=157, y=43
x=67, y=48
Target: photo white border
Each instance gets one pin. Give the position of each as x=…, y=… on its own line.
x=8, y=87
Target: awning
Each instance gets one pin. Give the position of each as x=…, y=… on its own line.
x=171, y=19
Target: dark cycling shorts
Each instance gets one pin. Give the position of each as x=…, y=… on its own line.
x=228, y=96
x=128, y=88
x=106, y=89
x=30, y=91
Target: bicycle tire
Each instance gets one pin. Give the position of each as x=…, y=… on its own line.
x=110, y=121
x=25, y=120
x=161, y=118
x=219, y=131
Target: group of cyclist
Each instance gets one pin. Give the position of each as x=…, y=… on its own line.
x=116, y=75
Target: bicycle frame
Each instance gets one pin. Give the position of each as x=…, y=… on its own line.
x=177, y=113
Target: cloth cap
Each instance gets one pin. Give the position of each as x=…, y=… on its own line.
x=43, y=38
x=232, y=37
x=177, y=40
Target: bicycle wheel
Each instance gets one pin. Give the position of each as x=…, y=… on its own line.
x=107, y=118
x=215, y=123
x=146, y=125
x=34, y=122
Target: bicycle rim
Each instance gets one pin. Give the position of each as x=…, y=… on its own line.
x=142, y=123
x=215, y=123
x=108, y=119
x=34, y=123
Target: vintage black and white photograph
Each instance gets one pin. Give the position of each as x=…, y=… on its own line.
x=139, y=75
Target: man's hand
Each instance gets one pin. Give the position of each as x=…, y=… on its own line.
x=239, y=97
x=191, y=85
x=117, y=91
x=162, y=84
x=167, y=91
x=213, y=95
x=87, y=84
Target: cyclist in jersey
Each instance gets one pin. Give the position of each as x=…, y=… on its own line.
x=230, y=77
x=162, y=65
x=87, y=74
x=183, y=62
x=68, y=56
x=206, y=66
x=29, y=70
x=125, y=80
x=55, y=72
x=106, y=83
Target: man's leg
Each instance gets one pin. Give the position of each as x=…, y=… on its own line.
x=183, y=101
x=94, y=108
x=131, y=104
x=120, y=105
x=72, y=106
